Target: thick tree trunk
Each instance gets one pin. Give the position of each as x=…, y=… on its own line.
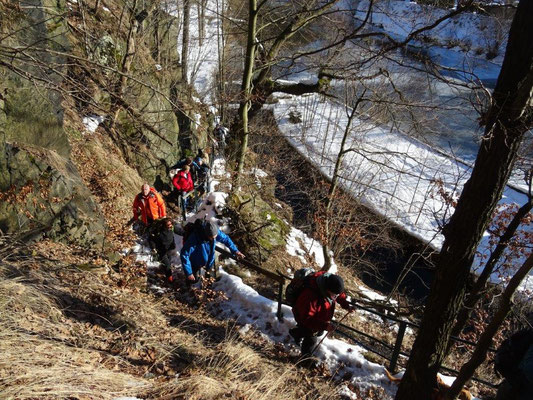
x=504, y=130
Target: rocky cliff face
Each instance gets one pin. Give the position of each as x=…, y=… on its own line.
x=68, y=61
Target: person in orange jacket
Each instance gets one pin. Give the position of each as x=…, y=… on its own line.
x=148, y=205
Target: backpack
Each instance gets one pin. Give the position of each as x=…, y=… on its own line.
x=511, y=351
x=301, y=280
x=191, y=227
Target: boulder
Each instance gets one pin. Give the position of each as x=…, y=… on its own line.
x=41, y=192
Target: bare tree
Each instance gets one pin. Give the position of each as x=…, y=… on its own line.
x=336, y=176
x=506, y=121
x=504, y=242
x=484, y=342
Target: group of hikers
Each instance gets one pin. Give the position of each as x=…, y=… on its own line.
x=188, y=175
x=317, y=293
x=314, y=306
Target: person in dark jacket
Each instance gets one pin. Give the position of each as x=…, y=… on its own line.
x=162, y=241
x=200, y=176
x=183, y=162
x=199, y=250
x=314, y=309
x=517, y=357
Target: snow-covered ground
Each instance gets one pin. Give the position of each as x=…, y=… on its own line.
x=462, y=43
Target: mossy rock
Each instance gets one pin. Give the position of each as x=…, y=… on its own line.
x=268, y=228
x=34, y=120
x=42, y=191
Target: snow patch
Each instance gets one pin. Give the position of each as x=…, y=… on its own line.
x=91, y=122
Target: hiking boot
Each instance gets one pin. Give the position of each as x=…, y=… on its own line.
x=297, y=338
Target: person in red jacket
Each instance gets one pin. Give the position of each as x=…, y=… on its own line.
x=148, y=205
x=183, y=184
x=314, y=308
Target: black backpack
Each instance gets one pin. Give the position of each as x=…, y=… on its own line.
x=190, y=227
x=301, y=280
x=511, y=352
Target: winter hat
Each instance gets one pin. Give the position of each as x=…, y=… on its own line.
x=335, y=284
x=210, y=229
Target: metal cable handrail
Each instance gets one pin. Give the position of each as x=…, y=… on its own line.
x=396, y=349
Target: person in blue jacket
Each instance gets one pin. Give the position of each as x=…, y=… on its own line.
x=199, y=250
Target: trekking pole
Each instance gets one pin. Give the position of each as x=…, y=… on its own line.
x=327, y=334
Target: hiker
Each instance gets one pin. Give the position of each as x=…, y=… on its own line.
x=161, y=241
x=149, y=205
x=201, y=157
x=183, y=185
x=201, y=176
x=514, y=361
x=199, y=249
x=314, y=308
x=181, y=163
x=219, y=134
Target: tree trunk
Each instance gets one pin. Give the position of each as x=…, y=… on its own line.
x=125, y=68
x=221, y=61
x=201, y=21
x=334, y=184
x=185, y=41
x=246, y=87
x=156, y=54
x=480, y=352
x=504, y=131
x=475, y=293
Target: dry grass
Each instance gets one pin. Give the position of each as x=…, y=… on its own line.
x=71, y=333
x=233, y=370
x=37, y=359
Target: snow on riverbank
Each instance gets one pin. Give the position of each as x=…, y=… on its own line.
x=469, y=41
x=393, y=174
